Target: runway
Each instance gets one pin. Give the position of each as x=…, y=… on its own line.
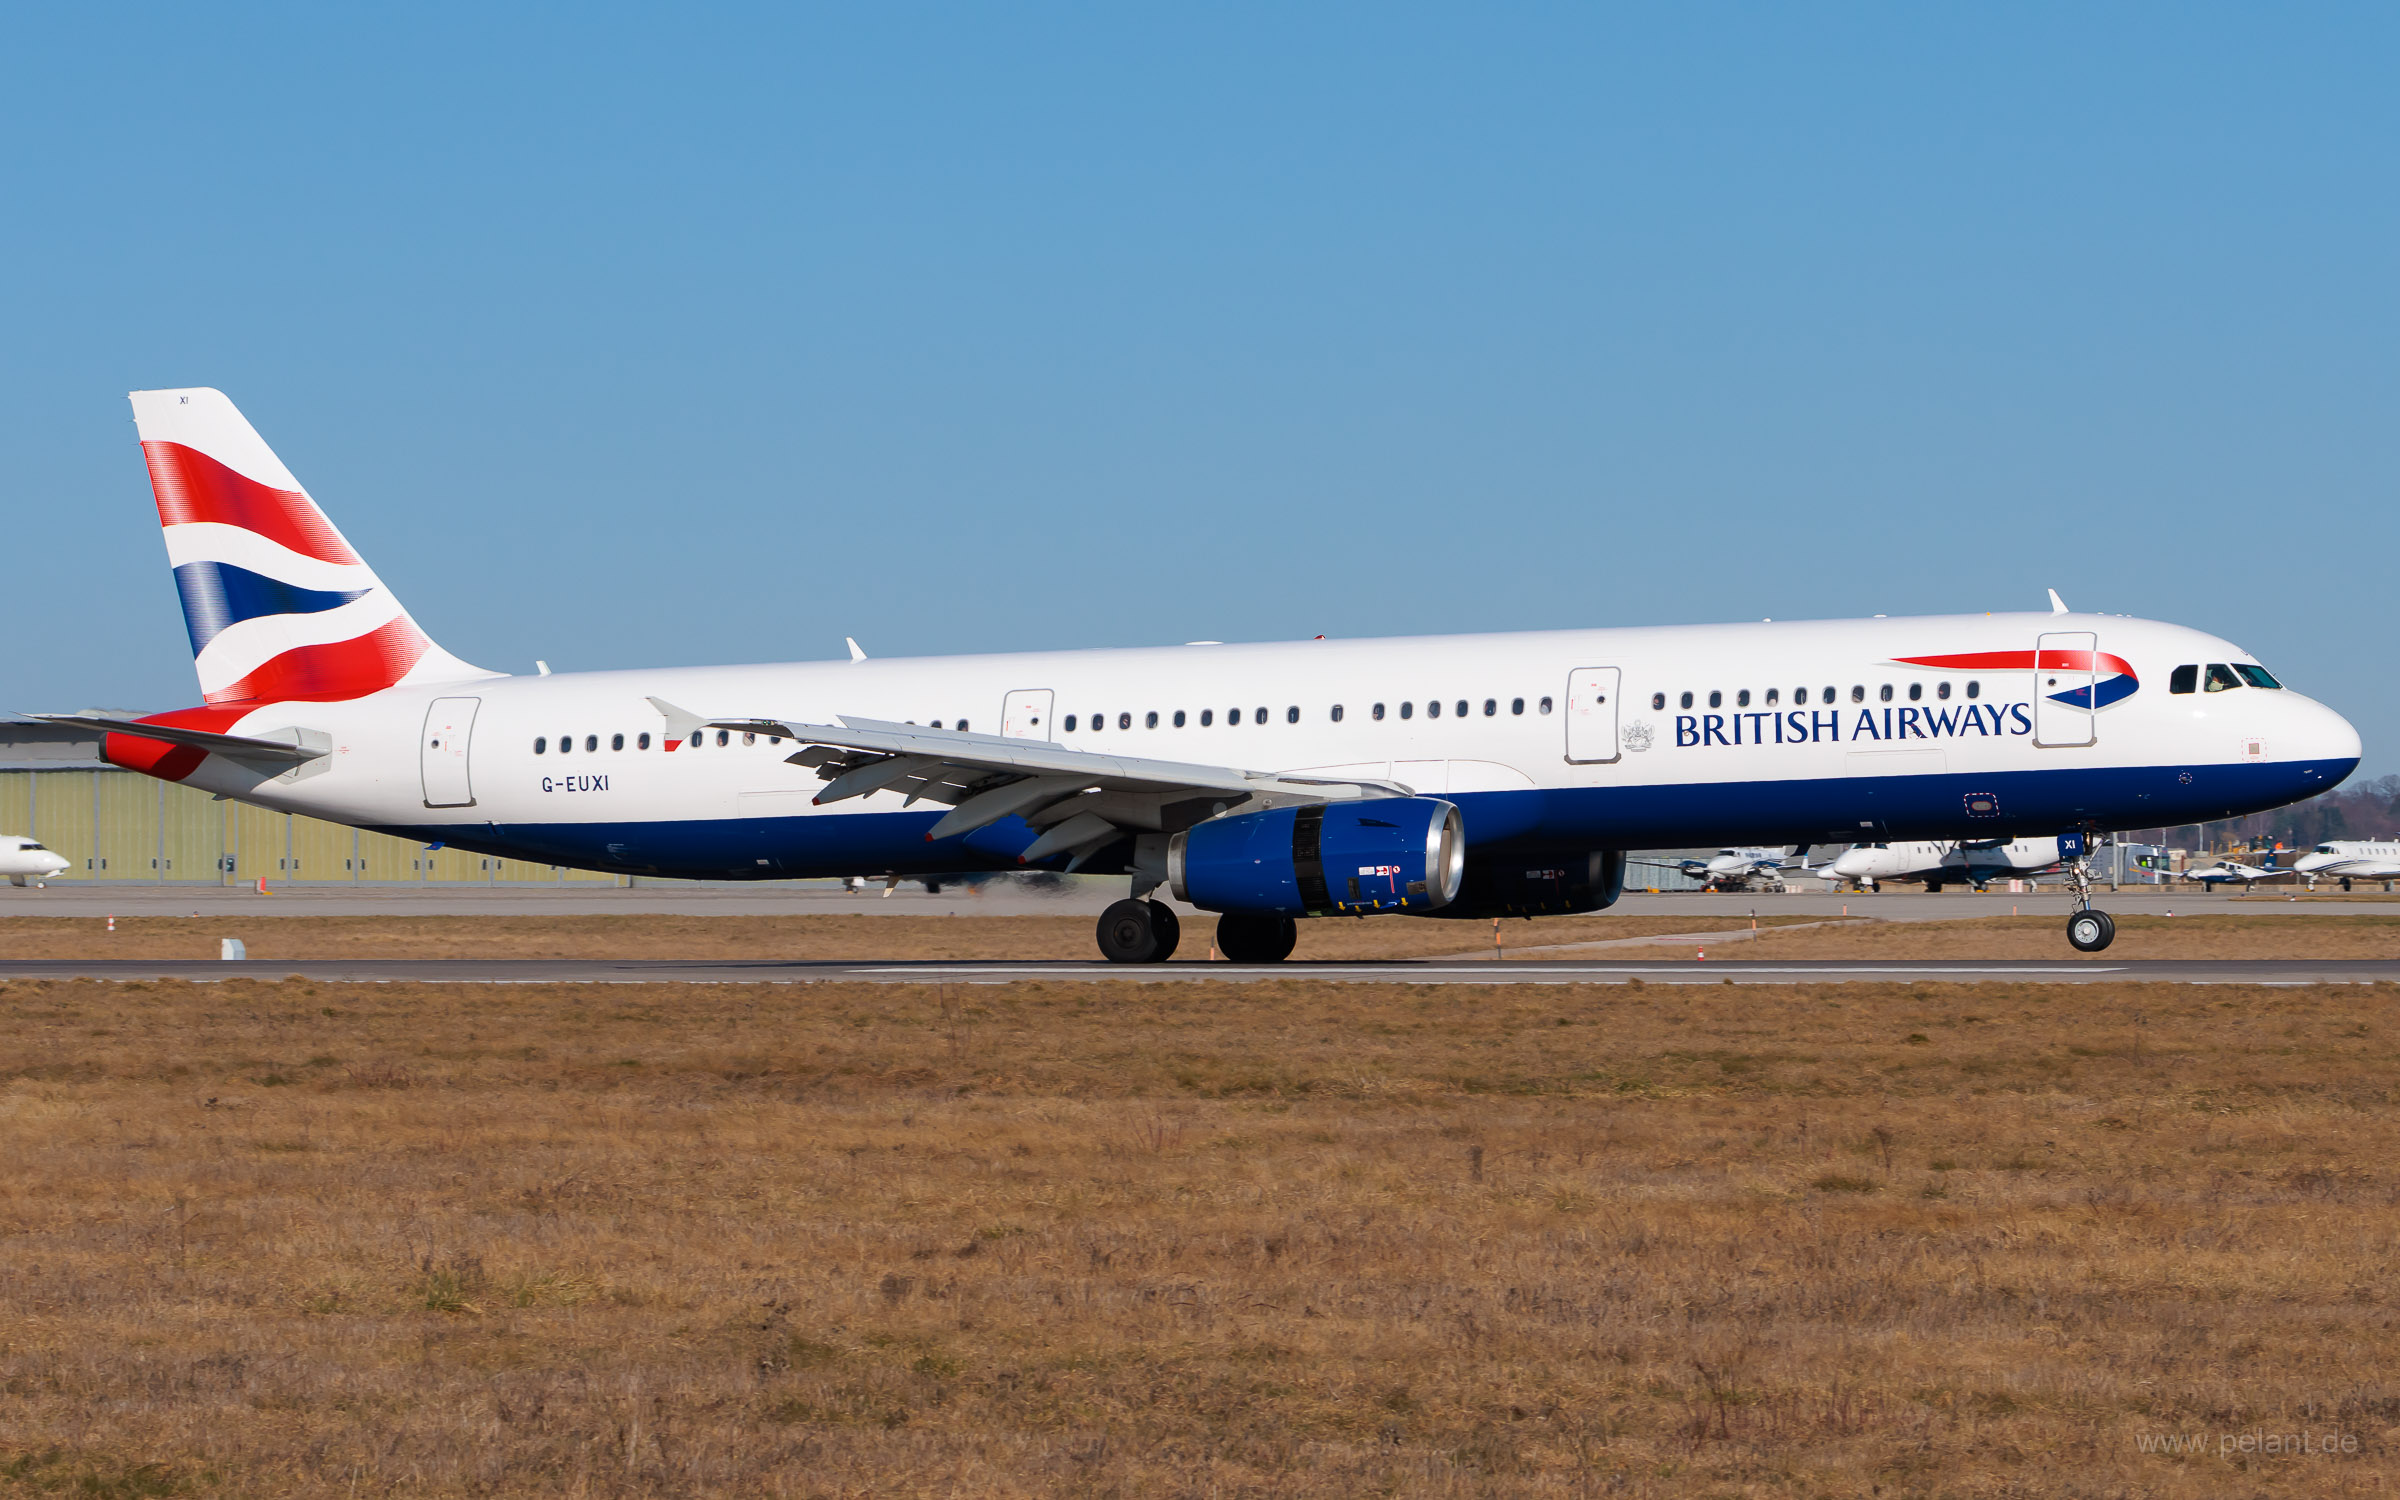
x=2096, y=970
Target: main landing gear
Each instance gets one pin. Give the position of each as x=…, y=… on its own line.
x=1256, y=937
x=2088, y=930
x=1139, y=932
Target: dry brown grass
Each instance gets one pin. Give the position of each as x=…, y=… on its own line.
x=1302, y=1238
x=269, y=936
x=2196, y=937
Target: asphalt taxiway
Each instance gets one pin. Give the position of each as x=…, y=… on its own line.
x=2096, y=970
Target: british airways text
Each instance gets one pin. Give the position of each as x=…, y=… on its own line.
x=1810, y=726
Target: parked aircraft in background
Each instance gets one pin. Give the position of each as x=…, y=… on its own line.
x=22, y=860
x=1454, y=776
x=2232, y=871
x=1737, y=869
x=1938, y=864
x=2346, y=860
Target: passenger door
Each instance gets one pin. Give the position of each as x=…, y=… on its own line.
x=2066, y=675
x=1592, y=715
x=449, y=732
x=1025, y=715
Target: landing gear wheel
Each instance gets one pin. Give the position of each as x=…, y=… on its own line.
x=1129, y=934
x=1167, y=927
x=1256, y=937
x=1933, y=887
x=2091, y=931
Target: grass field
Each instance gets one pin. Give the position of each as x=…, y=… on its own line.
x=275, y=1238
x=270, y=936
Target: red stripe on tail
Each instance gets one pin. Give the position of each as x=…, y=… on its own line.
x=333, y=672
x=191, y=486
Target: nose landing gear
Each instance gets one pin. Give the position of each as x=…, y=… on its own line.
x=2088, y=930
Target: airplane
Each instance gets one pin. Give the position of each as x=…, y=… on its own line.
x=1464, y=776
x=22, y=860
x=2226, y=871
x=1938, y=864
x=1737, y=869
x=2350, y=859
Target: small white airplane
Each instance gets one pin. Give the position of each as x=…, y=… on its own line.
x=2346, y=860
x=1938, y=864
x=2227, y=871
x=22, y=860
x=1739, y=869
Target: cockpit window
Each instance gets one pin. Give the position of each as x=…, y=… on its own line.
x=2220, y=677
x=2256, y=676
x=2327, y=849
x=2185, y=679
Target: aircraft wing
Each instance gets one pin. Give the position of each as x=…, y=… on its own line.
x=1079, y=800
x=291, y=751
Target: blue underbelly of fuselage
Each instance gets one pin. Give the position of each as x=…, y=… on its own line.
x=1835, y=810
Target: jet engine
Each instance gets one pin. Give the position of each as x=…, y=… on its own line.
x=1404, y=854
x=1538, y=883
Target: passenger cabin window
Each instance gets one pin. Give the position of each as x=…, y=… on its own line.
x=1433, y=708
x=1974, y=689
x=2184, y=679
x=1491, y=706
x=1070, y=723
x=1771, y=697
x=1544, y=705
x=1125, y=721
x=1462, y=708
x=1179, y=718
x=1827, y=695
x=1715, y=699
x=1337, y=713
x=1942, y=690
x=1517, y=705
x=1291, y=715
x=1376, y=712
x=2220, y=678
x=1408, y=710
x=723, y=739
x=541, y=744
x=1886, y=694
x=1742, y=699
x=1208, y=716
x=566, y=742
x=616, y=742
x=1686, y=700
x=1150, y=719
x=748, y=738
x=1258, y=715
x=2256, y=676
x=1799, y=695
x=1658, y=700
x=1916, y=690
x=641, y=741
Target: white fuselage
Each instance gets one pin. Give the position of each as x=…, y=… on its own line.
x=23, y=860
x=2350, y=859
x=1795, y=732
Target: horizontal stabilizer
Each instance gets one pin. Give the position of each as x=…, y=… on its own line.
x=302, y=744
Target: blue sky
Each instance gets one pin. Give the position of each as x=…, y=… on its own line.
x=625, y=337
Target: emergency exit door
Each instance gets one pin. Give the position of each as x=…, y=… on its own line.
x=1025, y=715
x=1592, y=715
x=449, y=732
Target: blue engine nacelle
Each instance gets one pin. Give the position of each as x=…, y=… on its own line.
x=1382, y=854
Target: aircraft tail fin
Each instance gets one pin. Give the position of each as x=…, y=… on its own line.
x=278, y=605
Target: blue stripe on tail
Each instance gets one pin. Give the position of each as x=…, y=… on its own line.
x=217, y=595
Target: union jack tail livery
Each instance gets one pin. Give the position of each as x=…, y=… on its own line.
x=279, y=607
